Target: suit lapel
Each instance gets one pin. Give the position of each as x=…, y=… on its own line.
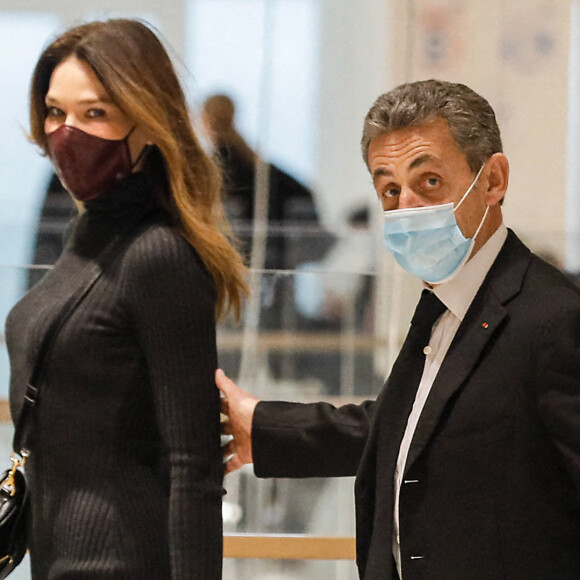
x=455, y=370
x=482, y=321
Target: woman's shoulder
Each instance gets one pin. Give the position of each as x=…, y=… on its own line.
x=159, y=249
x=158, y=239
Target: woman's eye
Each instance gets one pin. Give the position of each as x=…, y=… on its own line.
x=54, y=112
x=95, y=113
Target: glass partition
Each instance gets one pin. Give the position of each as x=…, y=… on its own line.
x=306, y=335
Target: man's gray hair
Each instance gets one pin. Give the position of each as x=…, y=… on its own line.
x=469, y=116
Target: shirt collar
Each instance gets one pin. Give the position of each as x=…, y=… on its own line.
x=458, y=293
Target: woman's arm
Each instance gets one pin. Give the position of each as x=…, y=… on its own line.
x=173, y=302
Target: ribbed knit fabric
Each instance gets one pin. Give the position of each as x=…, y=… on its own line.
x=125, y=473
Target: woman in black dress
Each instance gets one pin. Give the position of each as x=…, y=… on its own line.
x=125, y=469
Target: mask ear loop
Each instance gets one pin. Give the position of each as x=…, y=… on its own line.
x=469, y=188
x=144, y=151
x=481, y=222
x=466, y=194
x=141, y=155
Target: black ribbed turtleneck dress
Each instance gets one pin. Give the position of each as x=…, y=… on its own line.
x=125, y=473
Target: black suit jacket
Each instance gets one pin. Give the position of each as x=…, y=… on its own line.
x=492, y=481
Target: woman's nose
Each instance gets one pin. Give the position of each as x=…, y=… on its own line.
x=71, y=121
x=54, y=124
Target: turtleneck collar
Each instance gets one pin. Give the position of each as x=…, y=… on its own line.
x=135, y=192
x=113, y=215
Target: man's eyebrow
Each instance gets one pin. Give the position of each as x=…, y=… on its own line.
x=384, y=172
x=381, y=172
x=420, y=160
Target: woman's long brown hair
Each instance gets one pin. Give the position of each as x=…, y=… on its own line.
x=135, y=69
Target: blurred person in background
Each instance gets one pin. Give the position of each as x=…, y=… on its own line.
x=125, y=471
x=56, y=214
x=294, y=234
x=291, y=205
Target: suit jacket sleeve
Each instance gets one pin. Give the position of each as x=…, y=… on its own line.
x=309, y=440
x=172, y=298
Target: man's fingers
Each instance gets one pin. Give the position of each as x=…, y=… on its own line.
x=234, y=464
x=228, y=457
x=225, y=439
x=222, y=382
x=237, y=409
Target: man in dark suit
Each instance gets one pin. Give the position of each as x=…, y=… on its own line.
x=474, y=474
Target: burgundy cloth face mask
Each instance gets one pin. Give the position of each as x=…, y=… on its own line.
x=88, y=166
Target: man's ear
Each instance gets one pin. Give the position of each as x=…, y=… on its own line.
x=498, y=170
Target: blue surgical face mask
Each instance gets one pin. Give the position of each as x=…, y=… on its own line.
x=427, y=242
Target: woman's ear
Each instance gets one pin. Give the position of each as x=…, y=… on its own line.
x=497, y=178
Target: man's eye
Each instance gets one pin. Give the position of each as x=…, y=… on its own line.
x=391, y=192
x=432, y=181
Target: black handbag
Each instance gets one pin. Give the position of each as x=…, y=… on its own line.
x=14, y=494
x=14, y=497
x=13, y=514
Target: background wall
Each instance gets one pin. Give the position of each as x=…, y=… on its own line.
x=516, y=54
x=312, y=82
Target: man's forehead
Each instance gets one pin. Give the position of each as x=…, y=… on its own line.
x=433, y=124
x=416, y=144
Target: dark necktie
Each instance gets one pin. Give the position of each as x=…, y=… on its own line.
x=405, y=376
x=427, y=312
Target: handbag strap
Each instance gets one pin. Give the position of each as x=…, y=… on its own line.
x=96, y=269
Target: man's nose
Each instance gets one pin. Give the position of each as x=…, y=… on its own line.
x=409, y=198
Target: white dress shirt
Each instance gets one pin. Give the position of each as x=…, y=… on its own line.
x=457, y=295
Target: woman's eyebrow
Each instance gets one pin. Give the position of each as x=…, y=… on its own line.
x=90, y=101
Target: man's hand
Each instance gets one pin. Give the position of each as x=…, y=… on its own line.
x=238, y=411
